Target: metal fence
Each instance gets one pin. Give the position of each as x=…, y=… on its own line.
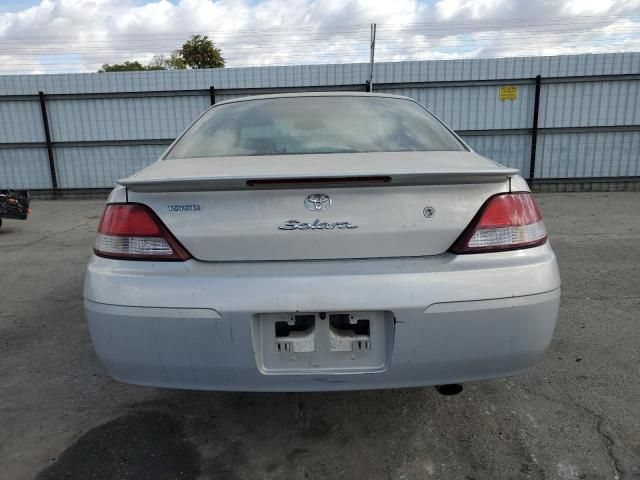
x=560, y=120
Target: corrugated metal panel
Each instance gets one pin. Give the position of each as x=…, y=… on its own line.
x=508, y=68
x=590, y=103
x=256, y=77
x=122, y=118
x=594, y=154
x=474, y=108
x=100, y=167
x=466, y=107
x=587, y=185
x=314, y=75
x=510, y=150
x=221, y=97
x=24, y=168
x=20, y=122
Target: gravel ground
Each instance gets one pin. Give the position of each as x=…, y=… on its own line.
x=576, y=416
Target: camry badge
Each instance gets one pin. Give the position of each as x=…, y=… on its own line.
x=317, y=202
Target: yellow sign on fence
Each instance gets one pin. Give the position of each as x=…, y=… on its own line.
x=507, y=92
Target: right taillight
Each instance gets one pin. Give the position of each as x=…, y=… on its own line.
x=506, y=221
x=133, y=232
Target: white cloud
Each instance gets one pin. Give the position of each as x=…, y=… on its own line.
x=80, y=35
x=471, y=9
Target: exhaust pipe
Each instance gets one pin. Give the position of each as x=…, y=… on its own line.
x=450, y=389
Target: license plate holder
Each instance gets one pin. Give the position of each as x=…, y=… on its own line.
x=323, y=342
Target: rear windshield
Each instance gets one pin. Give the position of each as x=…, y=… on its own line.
x=303, y=125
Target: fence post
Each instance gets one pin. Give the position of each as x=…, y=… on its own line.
x=212, y=94
x=372, y=52
x=47, y=137
x=534, y=130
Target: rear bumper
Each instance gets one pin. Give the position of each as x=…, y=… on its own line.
x=189, y=325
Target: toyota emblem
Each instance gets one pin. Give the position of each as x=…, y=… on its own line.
x=317, y=202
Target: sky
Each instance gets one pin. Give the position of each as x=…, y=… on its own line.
x=53, y=36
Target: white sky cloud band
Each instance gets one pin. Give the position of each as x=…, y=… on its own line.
x=80, y=35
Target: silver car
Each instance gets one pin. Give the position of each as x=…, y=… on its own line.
x=321, y=241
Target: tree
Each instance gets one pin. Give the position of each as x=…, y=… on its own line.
x=171, y=62
x=197, y=52
x=200, y=52
x=122, y=67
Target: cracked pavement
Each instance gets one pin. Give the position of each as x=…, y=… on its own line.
x=576, y=416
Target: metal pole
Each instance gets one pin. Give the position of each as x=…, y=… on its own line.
x=534, y=130
x=47, y=137
x=372, y=56
x=212, y=94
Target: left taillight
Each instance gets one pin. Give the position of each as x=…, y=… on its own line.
x=133, y=232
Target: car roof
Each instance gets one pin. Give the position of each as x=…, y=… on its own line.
x=312, y=94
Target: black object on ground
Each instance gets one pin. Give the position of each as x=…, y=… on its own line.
x=14, y=204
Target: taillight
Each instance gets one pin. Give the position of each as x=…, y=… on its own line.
x=506, y=221
x=133, y=232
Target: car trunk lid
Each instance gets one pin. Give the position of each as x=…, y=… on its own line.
x=378, y=205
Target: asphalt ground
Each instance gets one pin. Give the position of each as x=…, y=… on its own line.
x=576, y=416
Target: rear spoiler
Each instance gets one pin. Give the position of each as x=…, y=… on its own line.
x=221, y=182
